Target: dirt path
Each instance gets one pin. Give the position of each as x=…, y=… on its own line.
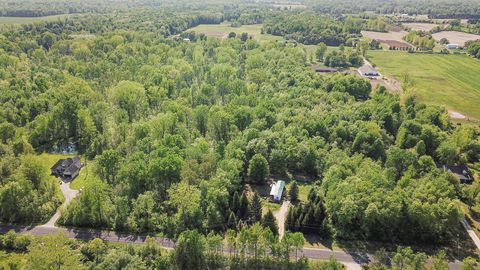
x=69, y=195
x=280, y=216
x=471, y=233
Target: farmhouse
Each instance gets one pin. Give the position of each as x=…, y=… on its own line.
x=368, y=71
x=277, y=191
x=67, y=169
x=452, y=46
x=460, y=171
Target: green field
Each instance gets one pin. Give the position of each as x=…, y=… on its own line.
x=26, y=20
x=449, y=80
x=222, y=30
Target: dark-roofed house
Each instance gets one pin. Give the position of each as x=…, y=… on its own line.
x=67, y=169
x=460, y=171
x=368, y=71
x=323, y=69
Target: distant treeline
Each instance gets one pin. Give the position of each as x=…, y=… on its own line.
x=309, y=27
x=38, y=13
x=163, y=23
x=32, y=8
x=435, y=9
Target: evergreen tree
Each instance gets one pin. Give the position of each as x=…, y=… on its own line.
x=293, y=192
x=243, y=210
x=319, y=213
x=270, y=222
x=420, y=148
x=312, y=195
x=232, y=221
x=235, y=202
x=255, y=208
x=290, y=219
x=307, y=223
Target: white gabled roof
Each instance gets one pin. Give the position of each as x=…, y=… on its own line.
x=277, y=189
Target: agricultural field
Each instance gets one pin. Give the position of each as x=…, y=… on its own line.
x=222, y=30
x=397, y=36
x=455, y=37
x=392, y=38
x=448, y=80
x=26, y=20
x=420, y=26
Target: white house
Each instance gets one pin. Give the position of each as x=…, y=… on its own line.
x=452, y=46
x=277, y=191
x=368, y=71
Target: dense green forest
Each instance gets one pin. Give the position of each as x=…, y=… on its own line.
x=182, y=133
x=175, y=129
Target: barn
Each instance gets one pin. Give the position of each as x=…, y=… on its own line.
x=276, y=192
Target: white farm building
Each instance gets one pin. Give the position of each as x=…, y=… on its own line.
x=276, y=192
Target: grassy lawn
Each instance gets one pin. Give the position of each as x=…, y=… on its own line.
x=303, y=190
x=50, y=159
x=264, y=192
x=222, y=30
x=449, y=80
x=26, y=20
x=86, y=174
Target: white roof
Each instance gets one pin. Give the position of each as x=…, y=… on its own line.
x=277, y=189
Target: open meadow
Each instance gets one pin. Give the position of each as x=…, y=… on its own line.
x=26, y=20
x=448, y=80
x=222, y=30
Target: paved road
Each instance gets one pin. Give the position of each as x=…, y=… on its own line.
x=353, y=260
x=86, y=234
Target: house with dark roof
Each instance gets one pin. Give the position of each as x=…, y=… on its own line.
x=461, y=172
x=67, y=169
x=323, y=69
